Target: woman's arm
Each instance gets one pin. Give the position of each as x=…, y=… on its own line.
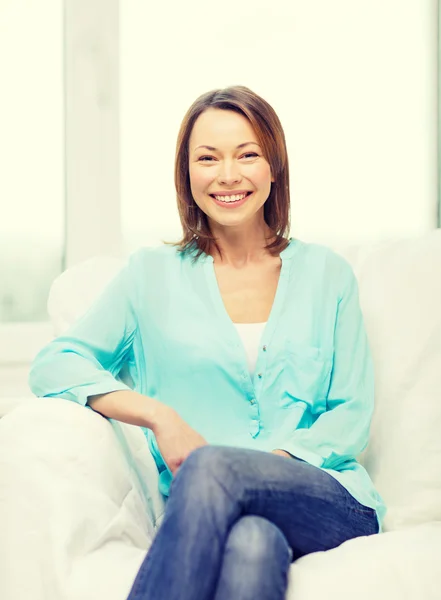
x=175, y=438
x=342, y=432
x=87, y=358
x=82, y=365
x=129, y=407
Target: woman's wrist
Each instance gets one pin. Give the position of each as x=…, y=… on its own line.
x=158, y=414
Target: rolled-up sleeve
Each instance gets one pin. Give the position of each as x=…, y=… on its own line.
x=87, y=358
x=341, y=432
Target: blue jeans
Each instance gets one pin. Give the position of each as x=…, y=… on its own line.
x=235, y=520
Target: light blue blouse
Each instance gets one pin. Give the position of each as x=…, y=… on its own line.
x=160, y=327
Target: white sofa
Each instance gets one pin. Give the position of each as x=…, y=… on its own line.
x=79, y=503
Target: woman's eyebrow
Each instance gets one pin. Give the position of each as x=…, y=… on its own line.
x=239, y=146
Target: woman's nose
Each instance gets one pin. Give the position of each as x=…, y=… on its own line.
x=228, y=175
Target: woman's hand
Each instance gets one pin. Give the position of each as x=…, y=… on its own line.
x=175, y=438
x=281, y=453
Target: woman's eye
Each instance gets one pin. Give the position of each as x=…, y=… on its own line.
x=212, y=158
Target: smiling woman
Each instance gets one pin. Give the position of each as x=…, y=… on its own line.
x=231, y=154
x=231, y=177
x=254, y=430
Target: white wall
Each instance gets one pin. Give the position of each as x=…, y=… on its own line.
x=353, y=81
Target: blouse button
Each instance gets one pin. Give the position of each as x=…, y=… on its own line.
x=259, y=375
x=264, y=348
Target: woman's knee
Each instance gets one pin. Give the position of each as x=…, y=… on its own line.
x=257, y=539
x=202, y=474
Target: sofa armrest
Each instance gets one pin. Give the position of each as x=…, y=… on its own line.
x=73, y=484
x=8, y=403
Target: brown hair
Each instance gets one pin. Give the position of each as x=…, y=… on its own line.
x=197, y=235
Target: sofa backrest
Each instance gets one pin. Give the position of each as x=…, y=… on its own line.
x=400, y=296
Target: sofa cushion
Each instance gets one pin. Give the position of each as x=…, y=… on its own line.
x=74, y=290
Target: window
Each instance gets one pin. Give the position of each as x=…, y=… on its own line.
x=31, y=157
x=32, y=167
x=59, y=192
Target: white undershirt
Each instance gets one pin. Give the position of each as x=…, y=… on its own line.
x=250, y=334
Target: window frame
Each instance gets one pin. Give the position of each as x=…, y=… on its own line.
x=91, y=155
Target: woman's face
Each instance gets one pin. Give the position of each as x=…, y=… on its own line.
x=229, y=177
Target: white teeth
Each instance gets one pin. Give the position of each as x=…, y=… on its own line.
x=230, y=198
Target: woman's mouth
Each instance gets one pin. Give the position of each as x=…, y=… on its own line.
x=234, y=200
